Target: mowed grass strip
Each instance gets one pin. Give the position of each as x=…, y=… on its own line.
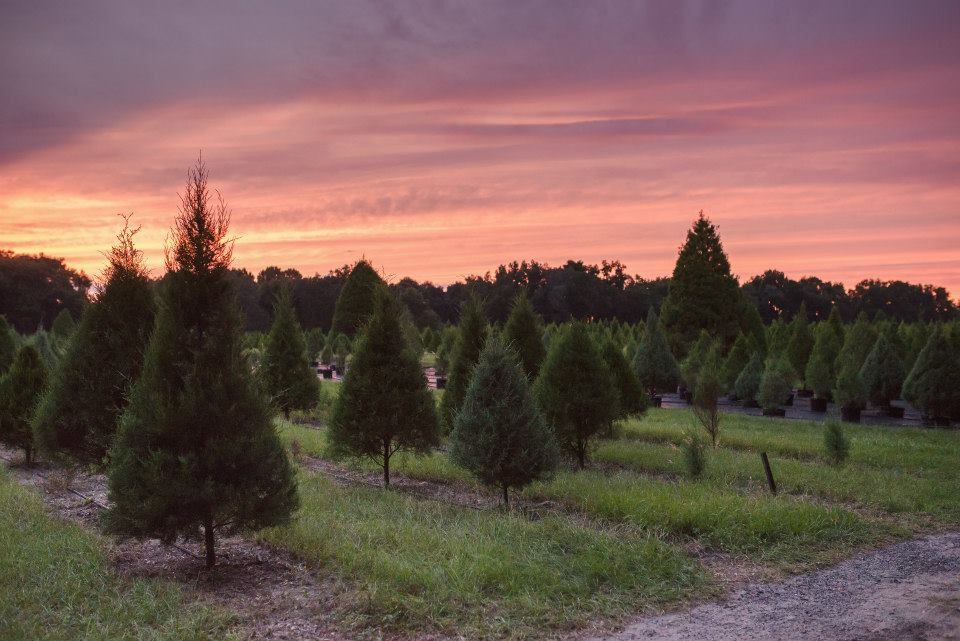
x=915, y=450
x=55, y=584
x=422, y=565
x=783, y=531
x=890, y=490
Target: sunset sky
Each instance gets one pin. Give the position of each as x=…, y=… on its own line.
x=443, y=138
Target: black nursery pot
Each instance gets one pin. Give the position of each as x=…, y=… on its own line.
x=327, y=373
x=751, y=403
x=789, y=401
x=657, y=401
x=936, y=421
x=441, y=382
x=850, y=414
x=894, y=412
x=774, y=411
x=818, y=405
x=804, y=393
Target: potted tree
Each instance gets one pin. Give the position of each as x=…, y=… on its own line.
x=775, y=386
x=748, y=382
x=820, y=380
x=850, y=392
x=934, y=382
x=654, y=363
x=883, y=375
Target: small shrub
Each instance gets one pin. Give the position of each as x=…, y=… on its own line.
x=705, y=401
x=776, y=383
x=694, y=454
x=748, y=382
x=836, y=443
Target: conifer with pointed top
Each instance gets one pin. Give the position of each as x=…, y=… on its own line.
x=384, y=405
x=78, y=415
x=356, y=299
x=883, y=373
x=933, y=384
x=734, y=363
x=524, y=331
x=466, y=352
x=196, y=452
x=801, y=342
x=654, y=364
x=748, y=382
x=20, y=390
x=285, y=372
x=575, y=392
x=500, y=435
x=631, y=397
x=8, y=345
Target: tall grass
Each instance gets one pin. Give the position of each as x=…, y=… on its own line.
x=55, y=585
x=421, y=564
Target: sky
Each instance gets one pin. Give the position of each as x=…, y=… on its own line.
x=441, y=139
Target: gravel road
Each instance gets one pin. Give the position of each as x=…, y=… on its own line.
x=907, y=591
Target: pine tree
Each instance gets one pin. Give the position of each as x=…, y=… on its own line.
x=933, y=384
x=574, y=391
x=821, y=373
x=654, y=364
x=850, y=392
x=696, y=357
x=196, y=449
x=778, y=337
x=748, y=382
x=284, y=371
x=631, y=398
x=341, y=350
x=63, y=326
x=883, y=373
x=356, y=300
x=78, y=415
x=499, y=435
x=776, y=383
x=734, y=363
x=857, y=344
x=49, y=353
x=801, y=342
x=8, y=345
x=703, y=294
x=20, y=390
x=524, y=331
x=384, y=404
x=466, y=352
x=448, y=342
x=706, y=399
x=315, y=341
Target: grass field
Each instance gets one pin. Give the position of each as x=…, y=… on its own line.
x=55, y=584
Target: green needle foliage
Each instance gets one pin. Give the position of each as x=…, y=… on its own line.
x=703, y=293
x=857, y=344
x=654, y=364
x=850, y=392
x=8, y=345
x=934, y=382
x=835, y=443
x=801, y=342
x=20, y=390
x=499, y=435
x=63, y=326
x=78, y=415
x=694, y=454
x=466, y=352
x=575, y=392
x=196, y=447
x=631, y=399
x=285, y=372
x=821, y=374
x=706, y=398
x=356, y=300
x=883, y=373
x=748, y=382
x=776, y=383
x=524, y=331
x=384, y=404
x=736, y=360
x=696, y=358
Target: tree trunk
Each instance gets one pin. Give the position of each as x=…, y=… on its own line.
x=386, y=462
x=209, y=542
x=506, y=497
x=286, y=414
x=28, y=455
x=582, y=455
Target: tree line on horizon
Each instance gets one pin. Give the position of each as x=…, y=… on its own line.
x=35, y=289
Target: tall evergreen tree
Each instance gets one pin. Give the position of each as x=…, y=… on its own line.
x=466, y=352
x=63, y=326
x=285, y=372
x=20, y=390
x=703, y=294
x=524, y=331
x=384, y=404
x=575, y=392
x=801, y=342
x=857, y=344
x=654, y=364
x=933, y=384
x=883, y=373
x=78, y=415
x=500, y=435
x=356, y=300
x=631, y=398
x=821, y=371
x=8, y=345
x=196, y=449
x=734, y=363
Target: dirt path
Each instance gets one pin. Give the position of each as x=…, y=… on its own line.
x=907, y=591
